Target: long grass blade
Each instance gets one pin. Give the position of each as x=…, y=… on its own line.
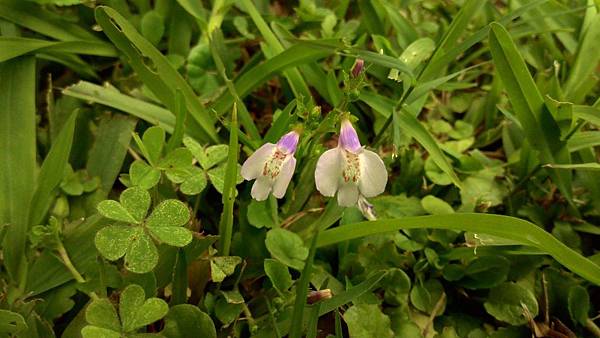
x=506, y=227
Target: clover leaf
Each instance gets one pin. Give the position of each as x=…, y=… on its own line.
x=213, y=162
x=135, y=241
x=135, y=312
x=223, y=266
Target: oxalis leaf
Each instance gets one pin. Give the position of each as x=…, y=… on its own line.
x=135, y=312
x=135, y=241
x=223, y=266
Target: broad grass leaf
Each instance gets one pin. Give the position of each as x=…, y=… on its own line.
x=18, y=156
x=287, y=247
x=506, y=302
x=52, y=171
x=171, y=213
x=511, y=228
x=187, y=321
x=112, y=241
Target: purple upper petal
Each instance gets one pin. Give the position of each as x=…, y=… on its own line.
x=358, y=67
x=288, y=142
x=348, y=137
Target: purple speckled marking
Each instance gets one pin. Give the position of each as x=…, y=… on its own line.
x=348, y=137
x=288, y=142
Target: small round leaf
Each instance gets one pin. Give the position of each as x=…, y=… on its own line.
x=506, y=303
x=142, y=255
x=112, y=241
x=287, y=247
x=114, y=210
x=174, y=236
x=136, y=201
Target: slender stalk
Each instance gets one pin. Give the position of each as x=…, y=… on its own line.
x=592, y=327
x=64, y=256
x=302, y=288
x=226, y=223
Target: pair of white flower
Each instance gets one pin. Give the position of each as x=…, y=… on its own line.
x=348, y=170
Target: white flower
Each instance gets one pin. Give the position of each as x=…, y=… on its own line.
x=350, y=170
x=272, y=165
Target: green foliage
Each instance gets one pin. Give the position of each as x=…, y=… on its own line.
x=124, y=213
x=136, y=240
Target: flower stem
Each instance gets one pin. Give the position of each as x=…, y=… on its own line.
x=64, y=256
x=592, y=327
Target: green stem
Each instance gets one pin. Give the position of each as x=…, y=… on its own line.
x=592, y=327
x=64, y=256
x=302, y=289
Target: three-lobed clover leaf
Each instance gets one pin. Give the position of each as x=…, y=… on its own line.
x=135, y=312
x=213, y=161
x=134, y=241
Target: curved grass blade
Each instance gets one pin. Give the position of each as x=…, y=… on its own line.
x=593, y=166
x=293, y=76
x=584, y=139
x=52, y=171
x=506, y=227
x=229, y=190
x=411, y=126
x=154, y=69
x=11, y=47
x=540, y=128
x=245, y=83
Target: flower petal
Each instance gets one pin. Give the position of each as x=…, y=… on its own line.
x=373, y=174
x=285, y=176
x=288, y=142
x=254, y=165
x=348, y=195
x=261, y=188
x=348, y=137
x=329, y=171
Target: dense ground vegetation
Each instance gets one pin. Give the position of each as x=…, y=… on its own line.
x=127, y=201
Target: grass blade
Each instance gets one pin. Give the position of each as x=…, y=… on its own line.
x=541, y=130
x=411, y=126
x=586, y=61
x=229, y=190
x=110, y=148
x=52, y=171
x=11, y=47
x=593, y=166
x=154, y=69
x=18, y=156
x=505, y=227
x=293, y=76
x=245, y=83
x=297, y=325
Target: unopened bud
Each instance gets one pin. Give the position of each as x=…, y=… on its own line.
x=316, y=296
x=358, y=67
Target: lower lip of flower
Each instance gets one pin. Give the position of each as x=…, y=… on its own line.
x=351, y=170
x=273, y=165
